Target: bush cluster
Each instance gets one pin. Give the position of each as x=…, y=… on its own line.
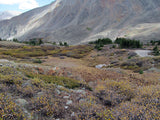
x=101, y=42
x=155, y=42
x=156, y=51
x=128, y=43
x=34, y=41
x=63, y=44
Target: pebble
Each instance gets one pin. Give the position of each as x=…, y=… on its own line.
x=73, y=114
x=66, y=107
x=69, y=102
x=66, y=97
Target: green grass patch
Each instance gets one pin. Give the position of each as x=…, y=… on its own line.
x=58, y=80
x=28, y=51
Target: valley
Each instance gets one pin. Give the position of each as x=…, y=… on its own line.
x=80, y=60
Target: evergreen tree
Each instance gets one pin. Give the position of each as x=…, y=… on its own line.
x=156, y=51
x=66, y=44
x=128, y=43
x=60, y=43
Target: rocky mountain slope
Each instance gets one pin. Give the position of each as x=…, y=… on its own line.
x=80, y=21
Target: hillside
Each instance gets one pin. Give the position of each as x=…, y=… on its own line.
x=79, y=21
x=52, y=82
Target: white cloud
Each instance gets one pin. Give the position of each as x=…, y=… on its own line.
x=23, y=4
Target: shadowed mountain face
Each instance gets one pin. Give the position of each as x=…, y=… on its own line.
x=79, y=21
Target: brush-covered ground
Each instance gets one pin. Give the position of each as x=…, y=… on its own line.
x=69, y=83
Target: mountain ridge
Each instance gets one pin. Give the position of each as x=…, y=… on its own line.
x=80, y=21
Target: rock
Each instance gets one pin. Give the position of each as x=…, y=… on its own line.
x=4, y=60
x=82, y=100
x=66, y=107
x=69, y=102
x=46, y=57
x=40, y=94
x=21, y=102
x=66, y=97
x=140, y=63
x=73, y=114
x=80, y=92
x=58, y=92
x=28, y=83
x=69, y=54
x=62, y=57
x=132, y=54
x=100, y=66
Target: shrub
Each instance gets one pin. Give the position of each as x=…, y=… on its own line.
x=141, y=72
x=37, y=61
x=156, y=51
x=152, y=42
x=34, y=41
x=9, y=110
x=15, y=40
x=114, y=46
x=54, y=43
x=66, y=44
x=60, y=43
x=98, y=47
x=11, y=79
x=27, y=91
x=101, y=42
x=46, y=106
x=63, y=44
x=37, y=82
x=58, y=80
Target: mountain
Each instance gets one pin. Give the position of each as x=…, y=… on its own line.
x=8, y=14
x=80, y=21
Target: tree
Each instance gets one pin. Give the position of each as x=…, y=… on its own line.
x=101, y=42
x=156, y=51
x=128, y=43
x=66, y=44
x=15, y=40
x=40, y=41
x=60, y=43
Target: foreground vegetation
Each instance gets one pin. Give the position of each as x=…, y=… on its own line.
x=53, y=82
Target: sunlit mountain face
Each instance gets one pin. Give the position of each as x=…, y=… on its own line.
x=80, y=21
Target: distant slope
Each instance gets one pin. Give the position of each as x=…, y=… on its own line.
x=8, y=14
x=79, y=21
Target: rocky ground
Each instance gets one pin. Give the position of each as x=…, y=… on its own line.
x=67, y=84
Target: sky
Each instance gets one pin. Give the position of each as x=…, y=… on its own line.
x=22, y=5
